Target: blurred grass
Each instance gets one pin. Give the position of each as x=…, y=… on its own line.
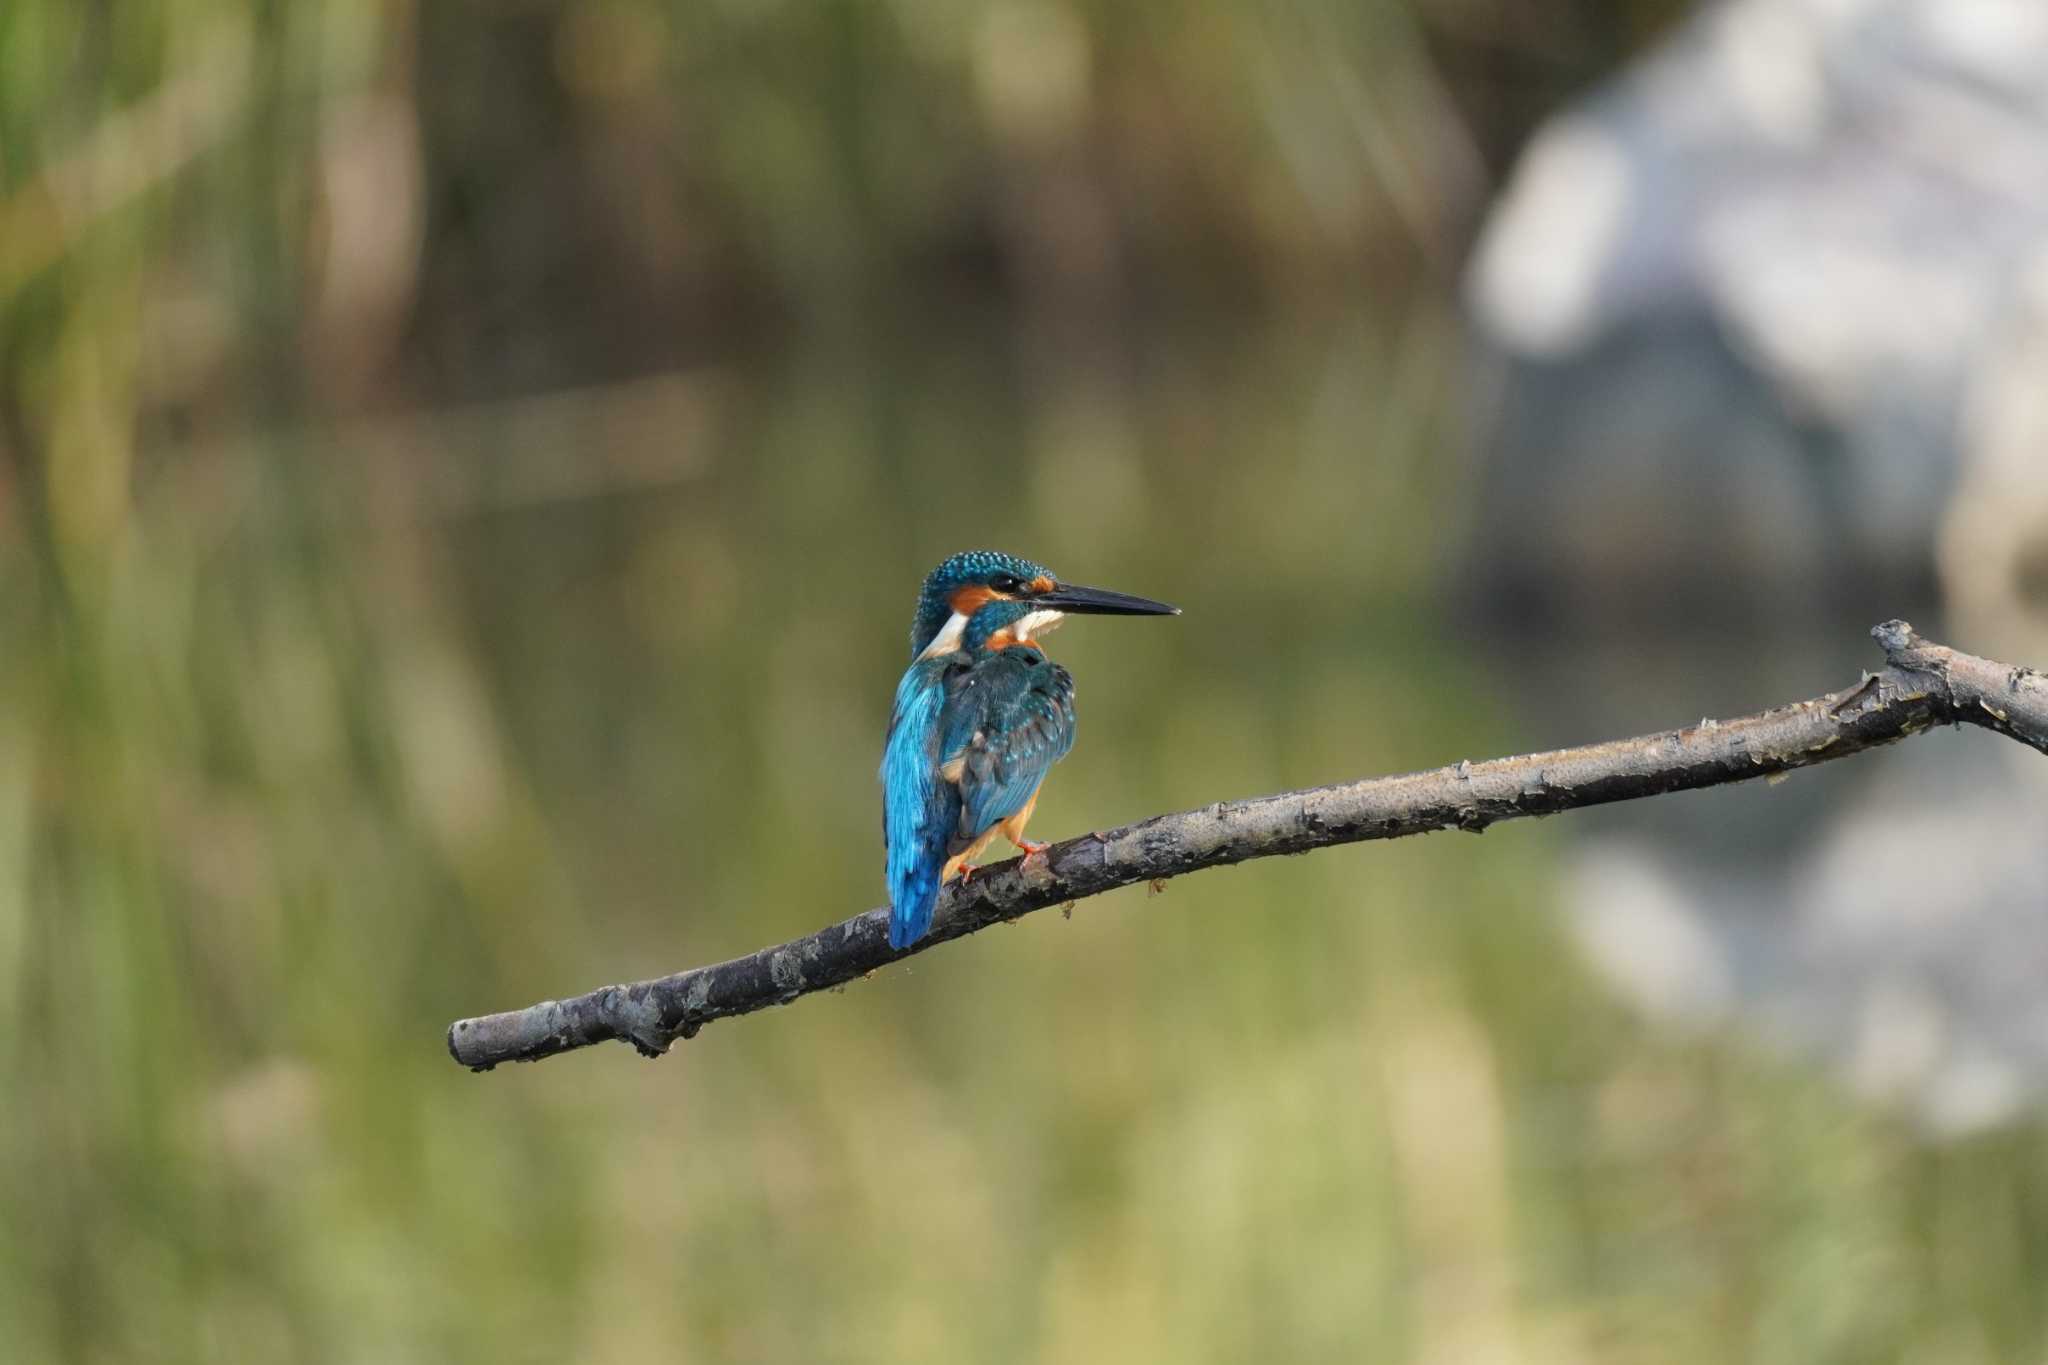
x=465, y=472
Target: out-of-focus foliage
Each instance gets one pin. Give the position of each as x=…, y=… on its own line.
x=463, y=474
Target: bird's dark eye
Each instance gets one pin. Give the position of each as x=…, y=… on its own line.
x=1005, y=582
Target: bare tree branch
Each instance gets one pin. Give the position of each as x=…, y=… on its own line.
x=1922, y=685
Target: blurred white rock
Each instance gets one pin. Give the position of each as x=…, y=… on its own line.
x=1763, y=336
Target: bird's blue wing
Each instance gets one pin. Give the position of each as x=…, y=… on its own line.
x=920, y=809
x=1007, y=720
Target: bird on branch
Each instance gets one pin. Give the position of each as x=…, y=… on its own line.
x=981, y=715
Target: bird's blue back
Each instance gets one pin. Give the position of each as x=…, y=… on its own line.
x=920, y=809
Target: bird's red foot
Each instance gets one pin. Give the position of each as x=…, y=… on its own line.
x=1032, y=847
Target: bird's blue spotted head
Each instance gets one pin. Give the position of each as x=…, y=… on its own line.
x=961, y=586
x=966, y=583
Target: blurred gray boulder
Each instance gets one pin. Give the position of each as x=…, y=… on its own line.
x=1762, y=359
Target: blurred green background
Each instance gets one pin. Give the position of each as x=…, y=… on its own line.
x=464, y=474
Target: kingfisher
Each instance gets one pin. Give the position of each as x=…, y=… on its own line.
x=981, y=715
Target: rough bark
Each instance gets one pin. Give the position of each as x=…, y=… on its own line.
x=1921, y=686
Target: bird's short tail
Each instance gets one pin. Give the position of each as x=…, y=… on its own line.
x=913, y=891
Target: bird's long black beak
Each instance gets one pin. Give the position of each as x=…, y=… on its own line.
x=1079, y=601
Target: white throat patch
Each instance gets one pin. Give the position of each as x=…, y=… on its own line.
x=1037, y=623
x=948, y=639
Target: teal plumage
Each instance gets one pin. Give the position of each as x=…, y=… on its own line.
x=980, y=717
x=1008, y=717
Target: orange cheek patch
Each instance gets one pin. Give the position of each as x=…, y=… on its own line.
x=970, y=599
